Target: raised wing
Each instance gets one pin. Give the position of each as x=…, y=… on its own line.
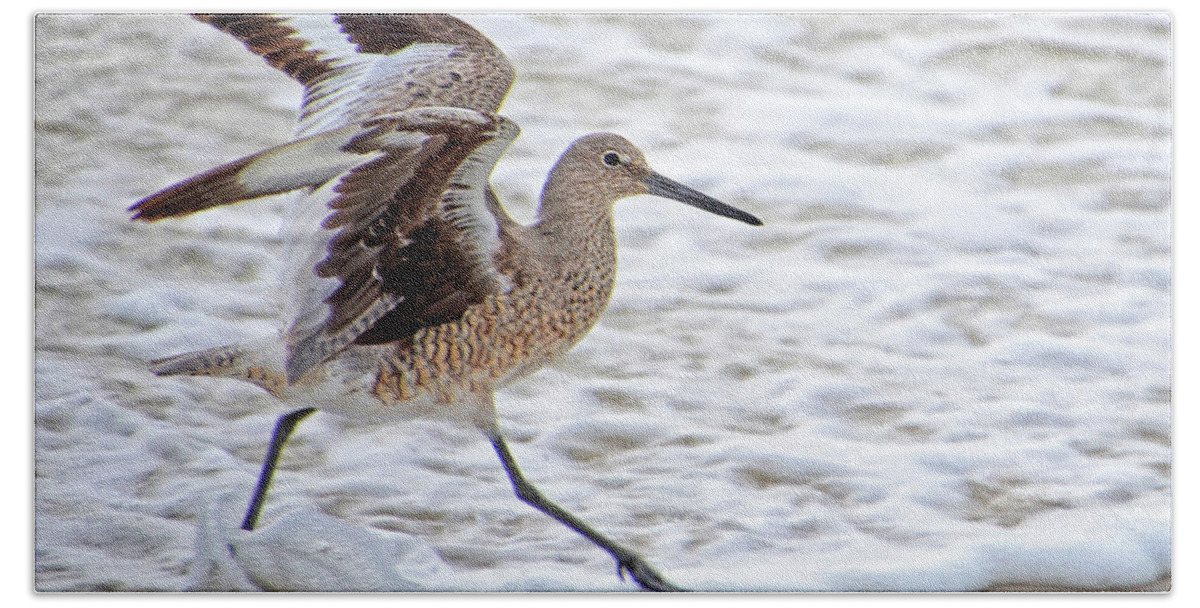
x=413, y=240
x=356, y=67
x=413, y=236
x=304, y=163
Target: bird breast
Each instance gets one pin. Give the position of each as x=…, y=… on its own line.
x=498, y=341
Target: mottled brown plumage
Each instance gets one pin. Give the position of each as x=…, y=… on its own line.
x=415, y=291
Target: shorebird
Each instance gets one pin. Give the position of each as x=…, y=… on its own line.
x=413, y=291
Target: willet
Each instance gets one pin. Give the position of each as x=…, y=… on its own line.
x=415, y=292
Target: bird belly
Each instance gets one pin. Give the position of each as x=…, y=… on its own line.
x=495, y=343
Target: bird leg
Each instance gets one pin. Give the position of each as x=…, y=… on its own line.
x=627, y=561
x=283, y=429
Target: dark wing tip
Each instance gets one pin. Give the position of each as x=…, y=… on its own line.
x=387, y=33
x=218, y=186
x=151, y=208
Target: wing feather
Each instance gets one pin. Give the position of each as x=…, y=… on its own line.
x=358, y=66
x=411, y=238
x=394, y=227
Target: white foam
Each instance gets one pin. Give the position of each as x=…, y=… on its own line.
x=943, y=363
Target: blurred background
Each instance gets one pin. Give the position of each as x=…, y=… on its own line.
x=942, y=364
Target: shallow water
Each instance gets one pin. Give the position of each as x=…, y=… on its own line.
x=942, y=364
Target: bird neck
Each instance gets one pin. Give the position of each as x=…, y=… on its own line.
x=578, y=240
x=575, y=222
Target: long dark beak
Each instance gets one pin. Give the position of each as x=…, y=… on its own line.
x=668, y=188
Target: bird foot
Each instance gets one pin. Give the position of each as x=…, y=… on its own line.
x=643, y=574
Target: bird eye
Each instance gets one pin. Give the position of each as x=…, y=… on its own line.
x=612, y=159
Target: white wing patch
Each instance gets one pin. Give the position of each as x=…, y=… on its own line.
x=305, y=246
x=464, y=202
x=364, y=86
x=323, y=34
x=306, y=243
x=304, y=162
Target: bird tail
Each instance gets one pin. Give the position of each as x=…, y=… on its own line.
x=233, y=361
